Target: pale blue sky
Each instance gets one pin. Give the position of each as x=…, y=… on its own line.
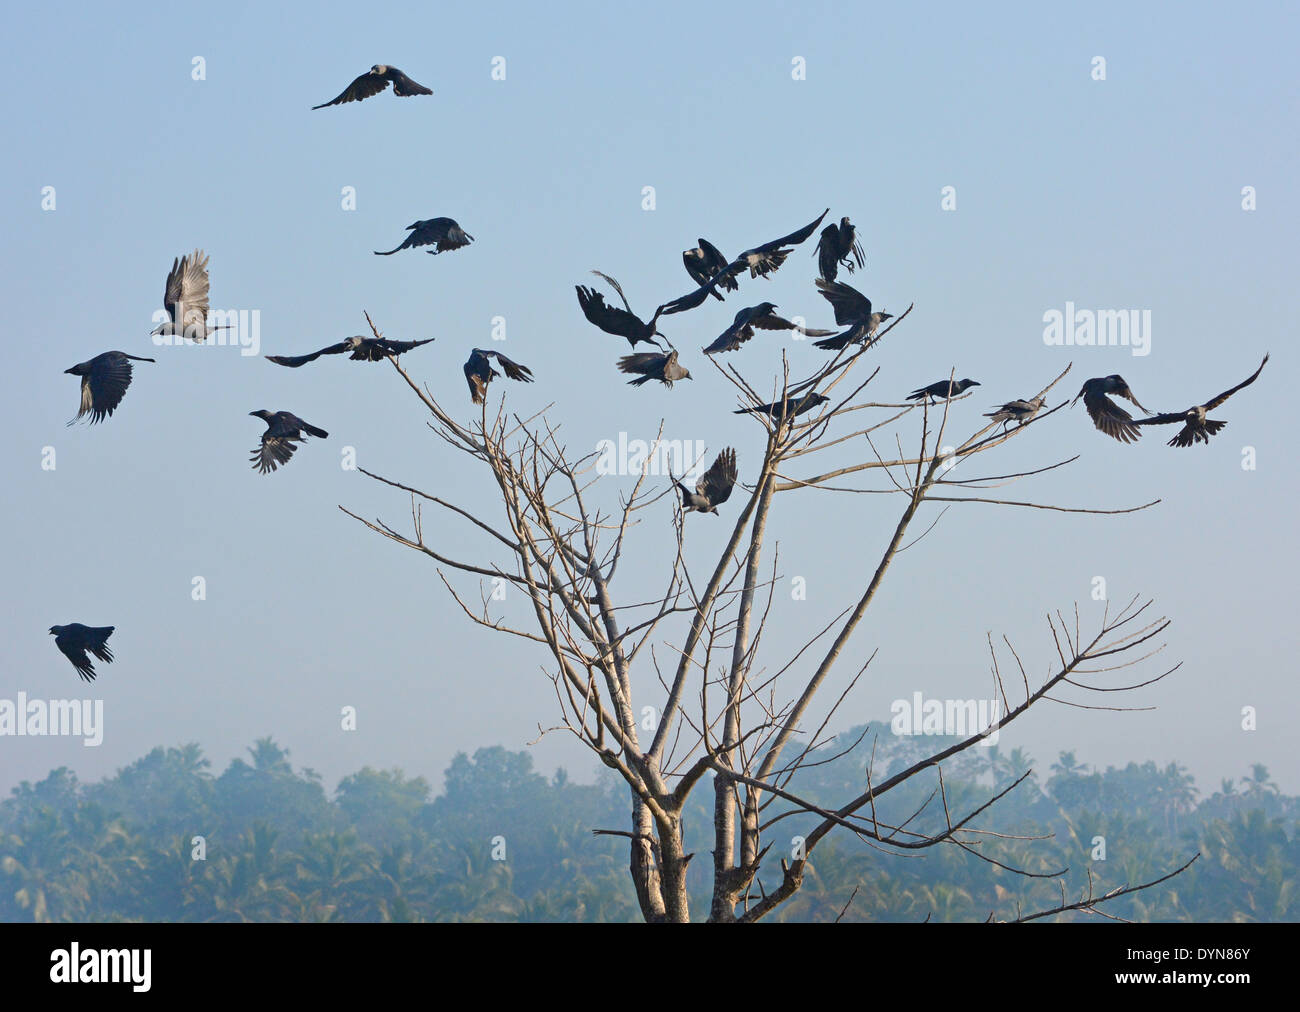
x=1123, y=193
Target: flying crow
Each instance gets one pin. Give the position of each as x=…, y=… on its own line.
x=1016, y=411
x=186, y=299
x=282, y=431
x=793, y=407
x=1108, y=416
x=104, y=380
x=363, y=349
x=838, y=246
x=852, y=310
x=479, y=372
x=1196, y=427
x=703, y=263
x=611, y=319
x=649, y=365
x=941, y=390
x=714, y=488
x=75, y=639
x=760, y=317
x=375, y=80
x=444, y=232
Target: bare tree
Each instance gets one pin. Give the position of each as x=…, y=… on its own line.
x=724, y=719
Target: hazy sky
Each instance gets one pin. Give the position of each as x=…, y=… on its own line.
x=1122, y=193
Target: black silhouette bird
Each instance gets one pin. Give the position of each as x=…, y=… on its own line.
x=650, y=365
x=1197, y=428
x=612, y=320
x=283, y=429
x=104, y=380
x=838, y=246
x=760, y=317
x=75, y=639
x=942, y=389
x=714, y=487
x=363, y=349
x=1108, y=416
x=793, y=407
x=444, y=232
x=703, y=263
x=479, y=372
x=852, y=310
x=1016, y=411
x=186, y=299
x=375, y=80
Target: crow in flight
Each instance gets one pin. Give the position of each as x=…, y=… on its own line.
x=703, y=262
x=714, y=487
x=942, y=389
x=838, y=246
x=75, y=639
x=186, y=299
x=649, y=365
x=852, y=310
x=794, y=406
x=363, y=349
x=761, y=317
x=1016, y=411
x=282, y=431
x=612, y=320
x=104, y=380
x=479, y=372
x=375, y=80
x=1196, y=427
x=444, y=232
x=1108, y=416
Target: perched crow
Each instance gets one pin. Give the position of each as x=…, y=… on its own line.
x=104, y=380
x=1196, y=427
x=714, y=488
x=75, y=639
x=705, y=261
x=186, y=299
x=838, y=246
x=364, y=349
x=1108, y=416
x=612, y=320
x=760, y=317
x=852, y=310
x=479, y=372
x=941, y=390
x=793, y=407
x=282, y=431
x=444, y=232
x=1016, y=411
x=375, y=80
x=649, y=365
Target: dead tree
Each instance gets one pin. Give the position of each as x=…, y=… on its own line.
x=725, y=719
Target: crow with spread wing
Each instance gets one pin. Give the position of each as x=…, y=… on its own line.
x=75, y=639
x=612, y=320
x=839, y=246
x=1196, y=427
x=760, y=317
x=444, y=233
x=104, y=380
x=363, y=349
x=852, y=310
x=375, y=80
x=479, y=372
x=649, y=365
x=714, y=487
x=1108, y=416
x=283, y=429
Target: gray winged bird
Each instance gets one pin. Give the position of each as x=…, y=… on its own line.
x=852, y=310
x=792, y=408
x=363, y=349
x=760, y=317
x=104, y=380
x=705, y=261
x=375, y=80
x=1016, y=411
x=1196, y=427
x=1108, y=416
x=839, y=246
x=75, y=639
x=186, y=299
x=942, y=389
x=445, y=233
x=649, y=365
x=479, y=372
x=612, y=320
x=714, y=487
x=283, y=429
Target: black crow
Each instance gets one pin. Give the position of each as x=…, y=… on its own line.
x=444, y=232
x=941, y=390
x=793, y=407
x=611, y=319
x=1196, y=427
x=703, y=263
x=761, y=317
x=104, y=380
x=186, y=299
x=852, y=310
x=375, y=80
x=74, y=639
x=479, y=372
x=838, y=246
x=282, y=431
x=363, y=349
x=714, y=487
x=649, y=365
x=1016, y=411
x=1108, y=416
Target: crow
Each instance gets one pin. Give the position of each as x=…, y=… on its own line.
x=1108, y=416
x=838, y=246
x=363, y=349
x=650, y=366
x=104, y=380
x=941, y=390
x=714, y=487
x=612, y=320
x=375, y=80
x=761, y=317
x=852, y=310
x=1196, y=427
x=445, y=233
x=186, y=299
x=282, y=431
x=1016, y=411
x=703, y=262
x=75, y=639
x=793, y=407
x=479, y=372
